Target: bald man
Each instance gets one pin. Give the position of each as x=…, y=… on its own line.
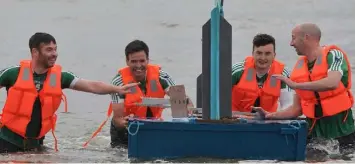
x=322, y=81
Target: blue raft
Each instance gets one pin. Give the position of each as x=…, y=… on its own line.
x=212, y=137
x=252, y=140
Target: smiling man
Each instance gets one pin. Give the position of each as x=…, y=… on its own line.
x=154, y=82
x=322, y=82
x=252, y=81
x=34, y=94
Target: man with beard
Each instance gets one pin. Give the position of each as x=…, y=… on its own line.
x=154, y=82
x=322, y=81
x=34, y=93
x=252, y=81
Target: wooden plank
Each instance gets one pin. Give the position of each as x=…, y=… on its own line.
x=178, y=101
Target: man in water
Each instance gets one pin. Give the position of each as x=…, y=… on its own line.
x=34, y=93
x=322, y=81
x=154, y=82
x=252, y=81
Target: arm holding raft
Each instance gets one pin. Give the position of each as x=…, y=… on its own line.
x=292, y=111
x=117, y=102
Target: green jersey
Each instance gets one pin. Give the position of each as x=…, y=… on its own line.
x=8, y=77
x=333, y=126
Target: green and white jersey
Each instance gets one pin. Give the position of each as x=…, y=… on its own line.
x=334, y=127
x=336, y=62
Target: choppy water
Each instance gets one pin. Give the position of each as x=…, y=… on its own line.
x=92, y=34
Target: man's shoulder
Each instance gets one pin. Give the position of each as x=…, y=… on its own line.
x=237, y=71
x=238, y=67
x=68, y=73
x=163, y=74
x=238, y=64
x=335, y=55
x=11, y=70
x=165, y=79
x=117, y=79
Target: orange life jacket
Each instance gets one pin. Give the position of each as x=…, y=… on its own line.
x=154, y=89
x=22, y=95
x=245, y=93
x=332, y=101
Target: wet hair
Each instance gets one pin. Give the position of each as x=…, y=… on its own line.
x=136, y=46
x=263, y=40
x=40, y=37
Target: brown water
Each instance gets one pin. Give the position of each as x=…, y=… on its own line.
x=92, y=34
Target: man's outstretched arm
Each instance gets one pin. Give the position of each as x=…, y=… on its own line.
x=101, y=88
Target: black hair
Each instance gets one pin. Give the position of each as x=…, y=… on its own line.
x=263, y=40
x=40, y=37
x=136, y=46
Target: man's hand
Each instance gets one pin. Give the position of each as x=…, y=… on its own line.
x=261, y=111
x=265, y=114
x=270, y=116
x=286, y=80
x=125, y=88
x=122, y=122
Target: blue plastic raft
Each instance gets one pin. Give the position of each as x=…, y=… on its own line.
x=253, y=140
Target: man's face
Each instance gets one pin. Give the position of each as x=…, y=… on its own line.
x=47, y=54
x=298, y=41
x=264, y=56
x=138, y=62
